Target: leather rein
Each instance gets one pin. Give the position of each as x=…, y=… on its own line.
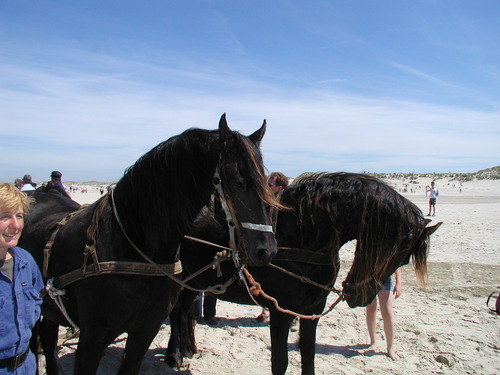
x=255, y=289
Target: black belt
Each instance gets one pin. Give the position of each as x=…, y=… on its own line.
x=14, y=362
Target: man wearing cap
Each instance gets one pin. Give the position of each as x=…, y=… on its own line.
x=56, y=183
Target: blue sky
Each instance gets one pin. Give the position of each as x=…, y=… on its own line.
x=86, y=87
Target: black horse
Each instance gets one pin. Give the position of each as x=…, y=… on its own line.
x=325, y=211
x=117, y=259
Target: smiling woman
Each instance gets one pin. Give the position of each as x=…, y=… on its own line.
x=20, y=286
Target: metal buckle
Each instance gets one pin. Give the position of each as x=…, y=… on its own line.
x=18, y=361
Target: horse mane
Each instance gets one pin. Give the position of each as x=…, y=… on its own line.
x=361, y=207
x=174, y=180
x=256, y=173
x=173, y=177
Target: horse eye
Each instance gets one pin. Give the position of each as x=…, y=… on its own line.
x=240, y=184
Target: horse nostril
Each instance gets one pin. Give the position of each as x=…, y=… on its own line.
x=263, y=257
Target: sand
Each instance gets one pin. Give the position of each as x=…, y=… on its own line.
x=446, y=329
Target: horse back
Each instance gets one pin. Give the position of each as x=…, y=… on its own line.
x=45, y=212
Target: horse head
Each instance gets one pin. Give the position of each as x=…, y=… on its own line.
x=359, y=293
x=168, y=186
x=245, y=195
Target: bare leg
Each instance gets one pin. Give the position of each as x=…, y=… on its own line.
x=371, y=322
x=386, y=299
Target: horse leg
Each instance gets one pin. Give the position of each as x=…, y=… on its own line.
x=91, y=346
x=307, y=344
x=182, y=341
x=188, y=340
x=49, y=333
x=280, y=326
x=173, y=356
x=143, y=331
x=35, y=343
x=138, y=342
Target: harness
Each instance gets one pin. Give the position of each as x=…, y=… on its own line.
x=54, y=285
x=98, y=268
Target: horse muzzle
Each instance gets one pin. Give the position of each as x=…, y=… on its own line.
x=260, y=243
x=356, y=297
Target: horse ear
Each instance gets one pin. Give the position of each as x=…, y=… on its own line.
x=430, y=230
x=224, y=131
x=259, y=134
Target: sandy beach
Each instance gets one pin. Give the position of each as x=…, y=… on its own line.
x=445, y=329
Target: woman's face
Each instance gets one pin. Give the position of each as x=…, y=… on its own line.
x=11, y=226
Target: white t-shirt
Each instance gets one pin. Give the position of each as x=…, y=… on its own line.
x=27, y=187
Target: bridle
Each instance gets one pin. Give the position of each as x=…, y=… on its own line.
x=230, y=219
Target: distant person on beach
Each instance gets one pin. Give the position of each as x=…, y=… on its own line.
x=55, y=185
x=385, y=298
x=18, y=183
x=27, y=184
x=433, y=194
x=277, y=181
x=20, y=286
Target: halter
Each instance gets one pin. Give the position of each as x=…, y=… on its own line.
x=231, y=223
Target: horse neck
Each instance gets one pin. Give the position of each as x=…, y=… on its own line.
x=159, y=213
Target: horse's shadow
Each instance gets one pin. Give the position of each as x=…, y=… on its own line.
x=153, y=359
x=152, y=362
x=235, y=322
x=347, y=351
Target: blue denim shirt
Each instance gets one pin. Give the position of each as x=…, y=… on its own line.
x=20, y=305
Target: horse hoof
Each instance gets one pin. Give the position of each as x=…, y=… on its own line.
x=172, y=361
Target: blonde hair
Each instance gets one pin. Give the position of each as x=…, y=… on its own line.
x=11, y=198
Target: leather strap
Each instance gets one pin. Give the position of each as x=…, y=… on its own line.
x=14, y=362
x=117, y=267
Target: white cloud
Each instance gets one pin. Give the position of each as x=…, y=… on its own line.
x=94, y=120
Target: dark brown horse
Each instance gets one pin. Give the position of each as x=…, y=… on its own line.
x=113, y=265
x=326, y=211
